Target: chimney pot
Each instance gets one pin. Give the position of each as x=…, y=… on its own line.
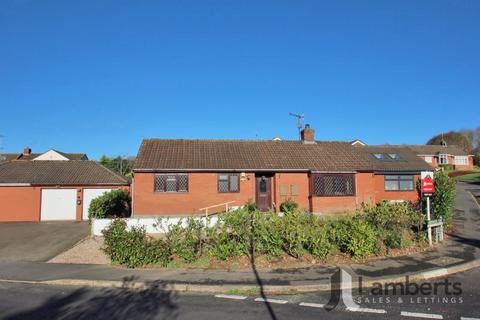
x=27, y=151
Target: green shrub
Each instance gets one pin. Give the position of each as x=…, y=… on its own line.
x=292, y=231
x=443, y=200
x=354, y=235
x=250, y=206
x=446, y=167
x=268, y=239
x=113, y=204
x=394, y=216
x=231, y=235
x=395, y=222
x=133, y=248
x=318, y=239
x=289, y=206
x=397, y=239
x=186, y=241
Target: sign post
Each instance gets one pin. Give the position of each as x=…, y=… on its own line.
x=428, y=188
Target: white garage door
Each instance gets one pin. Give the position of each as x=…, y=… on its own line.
x=88, y=196
x=59, y=204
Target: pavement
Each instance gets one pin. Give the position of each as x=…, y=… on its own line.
x=31, y=241
x=460, y=252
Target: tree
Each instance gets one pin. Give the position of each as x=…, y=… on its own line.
x=460, y=139
x=120, y=164
x=476, y=153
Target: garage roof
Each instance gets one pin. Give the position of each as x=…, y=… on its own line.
x=50, y=172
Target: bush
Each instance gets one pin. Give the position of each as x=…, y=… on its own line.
x=113, y=204
x=268, y=239
x=231, y=235
x=289, y=206
x=243, y=233
x=318, y=240
x=292, y=232
x=186, y=241
x=446, y=167
x=133, y=248
x=395, y=222
x=362, y=239
x=443, y=200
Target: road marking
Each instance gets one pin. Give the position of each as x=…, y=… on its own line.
x=466, y=318
x=271, y=300
x=313, y=305
x=421, y=315
x=230, y=296
x=367, y=310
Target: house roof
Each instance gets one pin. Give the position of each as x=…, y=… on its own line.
x=427, y=149
x=8, y=156
x=407, y=160
x=266, y=155
x=58, y=172
x=32, y=156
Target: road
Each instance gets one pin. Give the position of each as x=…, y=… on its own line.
x=27, y=301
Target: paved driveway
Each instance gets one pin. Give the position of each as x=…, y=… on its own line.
x=39, y=241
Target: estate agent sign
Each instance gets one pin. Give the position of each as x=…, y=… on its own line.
x=428, y=186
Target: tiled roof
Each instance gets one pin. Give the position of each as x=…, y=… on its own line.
x=408, y=160
x=49, y=172
x=427, y=149
x=188, y=155
x=8, y=156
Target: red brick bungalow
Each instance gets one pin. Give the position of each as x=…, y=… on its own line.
x=437, y=155
x=177, y=177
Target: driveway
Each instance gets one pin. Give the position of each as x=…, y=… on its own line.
x=25, y=241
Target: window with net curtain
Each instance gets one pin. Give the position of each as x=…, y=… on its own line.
x=228, y=183
x=399, y=183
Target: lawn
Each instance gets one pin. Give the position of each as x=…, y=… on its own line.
x=472, y=177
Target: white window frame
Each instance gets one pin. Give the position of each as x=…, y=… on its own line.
x=443, y=158
x=460, y=160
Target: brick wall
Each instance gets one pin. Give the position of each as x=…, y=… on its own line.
x=381, y=194
x=202, y=192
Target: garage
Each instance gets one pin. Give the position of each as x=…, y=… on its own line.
x=58, y=204
x=51, y=190
x=88, y=196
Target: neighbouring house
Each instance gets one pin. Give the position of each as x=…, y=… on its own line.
x=438, y=155
x=48, y=155
x=52, y=189
x=184, y=177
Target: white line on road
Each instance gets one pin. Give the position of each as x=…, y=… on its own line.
x=230, y=296
x=313, y=305
x=271, y=300
x=421, y=315
x=367, y=310
x=466, y=318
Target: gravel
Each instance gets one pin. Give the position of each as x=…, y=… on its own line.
x=87, y=251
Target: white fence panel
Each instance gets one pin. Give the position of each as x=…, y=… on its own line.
x=152, y=225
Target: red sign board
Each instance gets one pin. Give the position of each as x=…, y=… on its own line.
x=428, y=187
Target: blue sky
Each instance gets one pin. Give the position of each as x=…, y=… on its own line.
x=98, y=76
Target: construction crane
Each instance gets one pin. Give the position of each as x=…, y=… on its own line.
x=299, y=117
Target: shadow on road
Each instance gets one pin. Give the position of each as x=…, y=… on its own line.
x=255, y=272
x=153, y=302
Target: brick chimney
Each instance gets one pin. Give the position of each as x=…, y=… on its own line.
x=27, y=151
x=308, y=135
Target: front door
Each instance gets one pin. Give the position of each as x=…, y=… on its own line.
x=264, y=193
